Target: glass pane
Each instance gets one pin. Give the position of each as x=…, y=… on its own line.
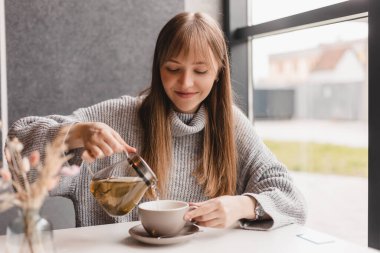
x=267, y=10
x=310, y=108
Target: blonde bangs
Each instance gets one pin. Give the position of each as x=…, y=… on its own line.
x=192, y=39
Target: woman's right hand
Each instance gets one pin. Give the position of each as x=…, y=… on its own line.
x=98, y=140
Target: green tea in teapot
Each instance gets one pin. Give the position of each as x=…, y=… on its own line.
x=118, y=196
x=119, y=187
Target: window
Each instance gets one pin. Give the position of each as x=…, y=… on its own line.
x=245, y=39
x=313, y=115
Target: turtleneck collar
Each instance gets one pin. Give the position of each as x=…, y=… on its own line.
x=185, y=123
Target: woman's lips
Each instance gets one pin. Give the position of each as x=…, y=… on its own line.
x=185, y=94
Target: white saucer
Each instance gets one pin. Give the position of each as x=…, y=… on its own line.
x=138, y=232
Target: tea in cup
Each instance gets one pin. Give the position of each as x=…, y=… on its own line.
x=163, y=218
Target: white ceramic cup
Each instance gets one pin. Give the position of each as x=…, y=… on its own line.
x=163, y=217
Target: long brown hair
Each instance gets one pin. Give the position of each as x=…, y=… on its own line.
x=217, y=173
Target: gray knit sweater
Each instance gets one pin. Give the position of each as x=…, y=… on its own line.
x=260, y=174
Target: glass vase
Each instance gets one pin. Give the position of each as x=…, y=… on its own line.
x=29, y=233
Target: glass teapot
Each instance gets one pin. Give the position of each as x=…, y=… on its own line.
x=119, y=188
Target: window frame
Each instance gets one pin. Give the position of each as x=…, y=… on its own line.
x=239, y=34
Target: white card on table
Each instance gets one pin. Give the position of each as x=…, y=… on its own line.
x=316, y=237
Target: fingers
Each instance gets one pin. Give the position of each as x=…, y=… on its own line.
x=197, y=204
x=96, y=152
x=108, y=142
x=100, y=140
x=88, y=157
x=210, y=219
x=217, y=212
x=103, y=149
x=122, y=145
x=214, y=223
x=203, y=209
x=205, y=217
x=130, y=149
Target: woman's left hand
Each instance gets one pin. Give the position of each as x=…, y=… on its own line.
x=221, y=212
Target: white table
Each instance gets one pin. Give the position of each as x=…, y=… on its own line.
x=114, y=238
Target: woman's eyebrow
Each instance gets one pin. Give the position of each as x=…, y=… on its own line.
x=200, y=63
x=194, y=63
x=172, y=60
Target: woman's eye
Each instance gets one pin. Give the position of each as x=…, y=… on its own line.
x=201, y=71
x=172, y=69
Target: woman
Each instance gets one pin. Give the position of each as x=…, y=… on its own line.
x=201, y=147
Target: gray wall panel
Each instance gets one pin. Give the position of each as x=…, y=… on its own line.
x=68, y=54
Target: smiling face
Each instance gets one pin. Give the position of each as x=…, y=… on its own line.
x=187, y=80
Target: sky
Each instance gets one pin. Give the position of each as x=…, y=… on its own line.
x=303, y=39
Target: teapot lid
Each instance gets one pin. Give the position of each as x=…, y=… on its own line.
x=141, y=168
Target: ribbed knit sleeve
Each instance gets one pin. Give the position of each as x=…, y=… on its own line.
x=263, y=177
x=36, y=132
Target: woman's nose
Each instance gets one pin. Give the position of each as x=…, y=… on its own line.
x=186, y=79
